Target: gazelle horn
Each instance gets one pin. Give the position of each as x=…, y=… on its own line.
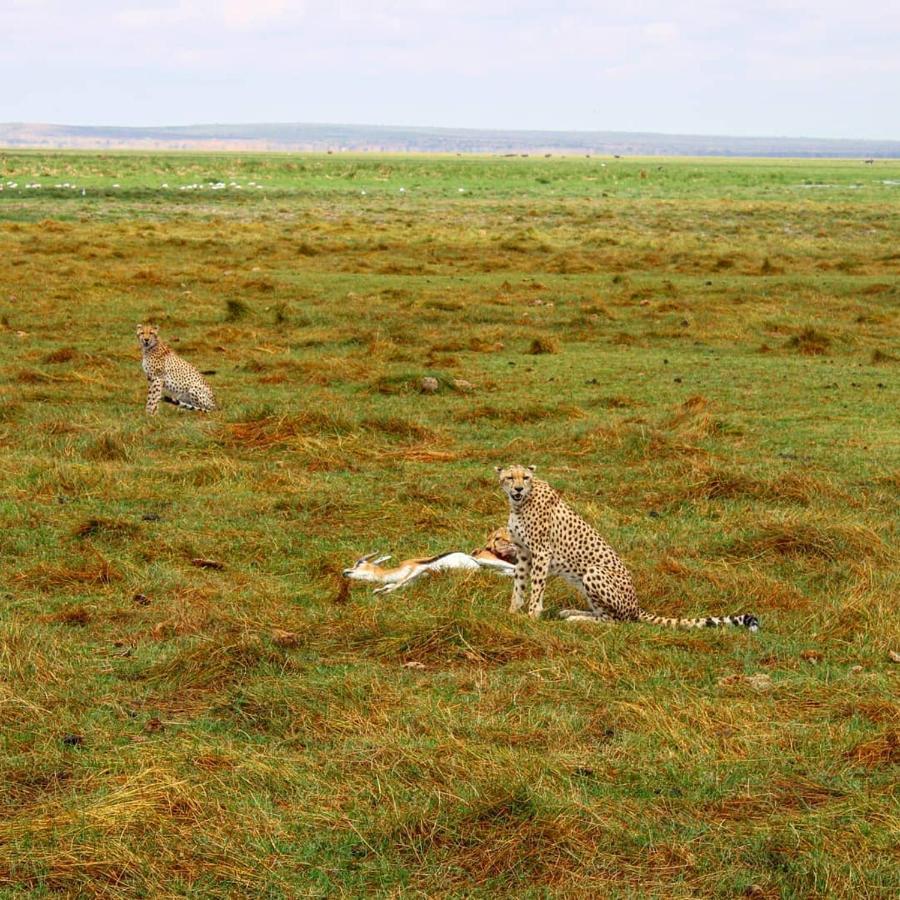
x=366, y=558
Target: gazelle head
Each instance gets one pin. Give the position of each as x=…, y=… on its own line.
x=366, y=568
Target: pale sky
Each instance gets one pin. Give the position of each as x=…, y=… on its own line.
x=818, y=68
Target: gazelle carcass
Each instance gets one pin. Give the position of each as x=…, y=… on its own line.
x=369, y=569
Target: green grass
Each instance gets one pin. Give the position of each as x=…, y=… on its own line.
x=718, y=393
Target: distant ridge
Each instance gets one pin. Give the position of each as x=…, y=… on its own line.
x=389, y=138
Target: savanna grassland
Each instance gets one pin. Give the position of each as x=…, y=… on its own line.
x=703, y=356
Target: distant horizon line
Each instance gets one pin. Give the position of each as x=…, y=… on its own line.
x=316, y=137
x=456, y=128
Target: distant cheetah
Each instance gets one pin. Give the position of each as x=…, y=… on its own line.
x=552, y=539
x=168, y=374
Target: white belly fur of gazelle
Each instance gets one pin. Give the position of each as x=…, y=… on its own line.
x=368, y=569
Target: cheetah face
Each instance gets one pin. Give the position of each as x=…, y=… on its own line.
x=498, y=539
x=501, y=545
x=517, y=481
x=148, y=336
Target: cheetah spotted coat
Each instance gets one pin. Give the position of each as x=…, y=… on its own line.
x=171, y=376
x=552, y=539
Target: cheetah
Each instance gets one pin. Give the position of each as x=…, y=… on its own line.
x=499, y=544
x=552, y=539
x=170, y=377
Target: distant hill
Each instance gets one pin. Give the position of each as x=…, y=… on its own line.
x=429, y=140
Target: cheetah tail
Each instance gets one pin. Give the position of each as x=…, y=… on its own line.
x=743, y=621
x=195, y=407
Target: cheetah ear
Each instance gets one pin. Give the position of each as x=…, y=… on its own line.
x=532, y=468
x=498, y=469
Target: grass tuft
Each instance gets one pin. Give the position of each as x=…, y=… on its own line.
x=280, y=314
x=62, y=355
x=95, y=526
x=543, y=344
x=507, y=840
x=454, y=641
x=71, y=615
x=810, y=342
x=236, y=310
x=795, y=536
x=109, y=447
x=51, y=578
x=268, y=430
x=882, y=751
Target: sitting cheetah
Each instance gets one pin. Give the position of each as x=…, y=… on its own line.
x=167, y=373
x=552, y=539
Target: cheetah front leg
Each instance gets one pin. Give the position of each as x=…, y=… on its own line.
x=154, y=394
x=523, y=569
x=540, y=566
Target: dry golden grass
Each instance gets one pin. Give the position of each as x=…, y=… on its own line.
x=796, y=535
x=193, y=701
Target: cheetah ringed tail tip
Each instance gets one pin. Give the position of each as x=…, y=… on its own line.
x=750, y=622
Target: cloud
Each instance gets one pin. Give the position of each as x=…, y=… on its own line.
x=154, y=17
x=662, y=32
x=235, y=15
x=706, y=64
x=243, y=15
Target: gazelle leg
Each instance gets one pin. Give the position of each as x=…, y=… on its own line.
x=415, y=575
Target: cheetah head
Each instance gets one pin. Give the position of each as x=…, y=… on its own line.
x=501, y=545
x=517, y=481
x=148, y=336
